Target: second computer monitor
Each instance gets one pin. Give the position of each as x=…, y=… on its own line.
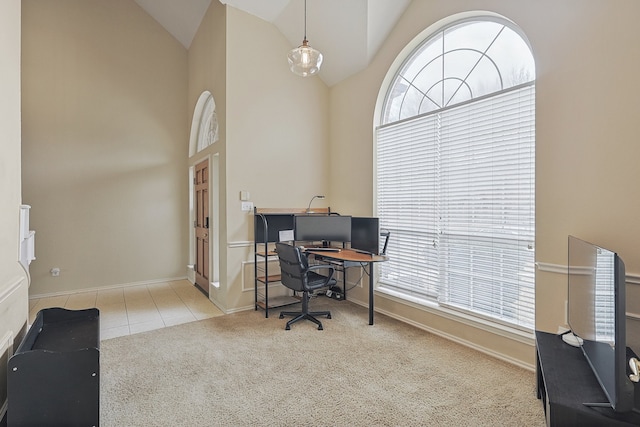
x=365, y=234
x=316, y=228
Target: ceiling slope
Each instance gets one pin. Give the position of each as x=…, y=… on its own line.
x=348, y=33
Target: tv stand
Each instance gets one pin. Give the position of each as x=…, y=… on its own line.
x=566, y=384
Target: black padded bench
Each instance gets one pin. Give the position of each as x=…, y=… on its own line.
x=54, y=376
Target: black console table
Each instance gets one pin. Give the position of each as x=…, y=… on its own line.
x=565, y=382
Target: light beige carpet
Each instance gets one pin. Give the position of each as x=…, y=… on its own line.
x=245, y=370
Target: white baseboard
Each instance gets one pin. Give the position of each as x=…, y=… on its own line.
x=191, y=273
x=108, y=287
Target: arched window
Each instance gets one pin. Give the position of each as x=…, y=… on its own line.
x=204, y=125
x=455, y=153
x=208, y=130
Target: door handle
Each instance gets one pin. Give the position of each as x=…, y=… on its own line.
x=206, y=222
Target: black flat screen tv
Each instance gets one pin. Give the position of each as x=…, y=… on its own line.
x=597, y=314
x=365, y=235
x=322, y=228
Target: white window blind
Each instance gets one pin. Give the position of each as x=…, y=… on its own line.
x=456, y=191
x=604, y=296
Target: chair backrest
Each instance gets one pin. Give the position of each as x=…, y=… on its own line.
x=293, y=266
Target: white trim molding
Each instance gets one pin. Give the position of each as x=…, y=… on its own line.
x=631, y=278
x=240, y=244
x=11, y=289
x=551, y=268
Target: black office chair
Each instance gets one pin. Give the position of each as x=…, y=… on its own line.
x=296, y=274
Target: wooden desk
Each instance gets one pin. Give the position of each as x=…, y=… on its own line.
x=349, y=256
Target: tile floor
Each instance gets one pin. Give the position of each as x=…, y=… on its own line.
x=127, y=311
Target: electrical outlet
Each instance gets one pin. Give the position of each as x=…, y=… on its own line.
x=55, y=271
x=247, y=206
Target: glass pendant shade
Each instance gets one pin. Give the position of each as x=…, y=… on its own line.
x=305, y=60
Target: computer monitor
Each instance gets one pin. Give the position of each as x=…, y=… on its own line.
x=365, y=235
x=316, y=228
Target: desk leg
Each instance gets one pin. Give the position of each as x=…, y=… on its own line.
x=371, y=293
x=344, y=281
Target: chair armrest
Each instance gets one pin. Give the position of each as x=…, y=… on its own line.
x=323, y=267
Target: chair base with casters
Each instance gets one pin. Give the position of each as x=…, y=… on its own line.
x=305, y=314
x=297, y=275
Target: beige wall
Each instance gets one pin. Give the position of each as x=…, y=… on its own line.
x=14, y=304
x=586, y=136
x=207, y=72
x=277, y=132
x=277, y=123
x=587, y=148
x=275, y=138
x=104, y=141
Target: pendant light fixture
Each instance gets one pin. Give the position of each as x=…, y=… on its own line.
x=305, y=60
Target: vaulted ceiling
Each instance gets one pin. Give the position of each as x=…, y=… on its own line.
x=347, y=32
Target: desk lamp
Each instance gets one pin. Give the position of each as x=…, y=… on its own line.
x=309, y=211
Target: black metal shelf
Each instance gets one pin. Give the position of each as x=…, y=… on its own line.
x=267, y=226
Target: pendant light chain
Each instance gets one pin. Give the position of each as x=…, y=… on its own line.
x=305, y=19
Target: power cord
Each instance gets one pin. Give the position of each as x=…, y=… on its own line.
x=364, y=271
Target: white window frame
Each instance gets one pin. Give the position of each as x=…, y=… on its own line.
x=421, y=243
